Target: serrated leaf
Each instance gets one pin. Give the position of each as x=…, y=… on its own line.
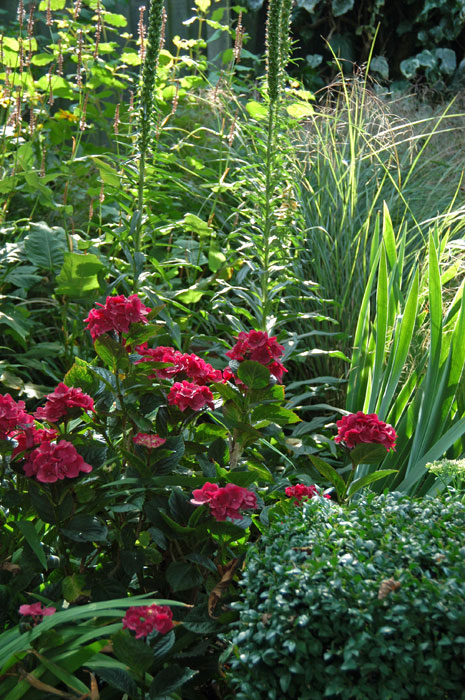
x=80, y=376
x=73, y=587
x=181, y=576
x=134, y=652
x=275, y=414
x=84, y=528
x=169, y=680
x=367, y=453
x=118, y=679
x=44, y=247
x=78, y=275
x=110, y=352
x=253, y=374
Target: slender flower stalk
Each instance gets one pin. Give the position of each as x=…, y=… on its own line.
x=146, y=108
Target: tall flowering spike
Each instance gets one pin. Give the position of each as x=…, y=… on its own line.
x=149, y=70
x=273, y=48
x=285, y=25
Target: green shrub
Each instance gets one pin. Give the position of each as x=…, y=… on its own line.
x=358, y=603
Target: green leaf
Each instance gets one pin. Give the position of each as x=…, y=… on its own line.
x=340, y=7
x=135, y=653
x=275, y=414
x=73, y=587
x=216, y=259
x=253, y=374
x=256, y=110
x=169, y=680
x=54, y=4
x=28, y=530
x=115, y=20
x=329, y=473
x=131, y=58
x=42, y=59
x=369, y=479
x=45, y=246
x=181, y=576
x=367, y=453
x=80, y=376
x=111, y=352
x=118, y=679
x=84, y=528
x=300, y=110
x=78, y=275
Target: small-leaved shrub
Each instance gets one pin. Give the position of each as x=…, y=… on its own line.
x=359, y=603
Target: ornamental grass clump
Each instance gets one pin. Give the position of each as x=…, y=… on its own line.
x=365, y=602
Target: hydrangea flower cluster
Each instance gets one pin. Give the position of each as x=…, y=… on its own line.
x=190, y=366
x=259, y=347
x=36, y=611
x=117, y=314
x=31, y=436
x=367, y=428
x=148, y=440
x=225, y=502
x=187, y=395
x=64, y=402
x=300, y=491
x=51, y=462
x=145, y=619
x=12, y=415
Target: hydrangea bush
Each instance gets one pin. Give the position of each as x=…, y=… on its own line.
x=138, y=475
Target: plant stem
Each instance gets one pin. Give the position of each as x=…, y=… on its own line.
x=268, y=219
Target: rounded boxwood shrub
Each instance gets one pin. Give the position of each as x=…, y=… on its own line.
x=363, y=602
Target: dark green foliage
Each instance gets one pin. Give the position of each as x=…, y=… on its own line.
x=312, y=622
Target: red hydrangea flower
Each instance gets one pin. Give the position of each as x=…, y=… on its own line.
x=36, y=610
x=148, y=440
x=187, y=395
x=259, y=347
x=12, y=415
x=367, y=428
x=53, y=461
x=144, y=619
x=191, y=366
x=300, y=491
x=225, y=502
x=31, y=436
x=116, y=314
x=64, y=402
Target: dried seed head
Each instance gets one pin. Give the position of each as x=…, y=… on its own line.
x=48, y=20
x=101, y=197
x=82, y=123
x=239, y=38
x=21, y=13
x=232, y=132
x=91, y=209
x=116, y=121
x=98, y=30
x=164, y=18
x=32, y=121
x=79, y=60
x=77, y=9
x=30, y=21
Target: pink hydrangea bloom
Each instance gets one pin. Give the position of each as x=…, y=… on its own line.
x=187, y=395
x=53, y=461
x=300, y=491
x=36, y=610
x=12, y=415
x=148, y=440
x=367, y=428
x=190, y=366
x=31, y=436
x=116, y=314
x=144, y=619
x=64, y=402
x=225, y=502
x=259, y=347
